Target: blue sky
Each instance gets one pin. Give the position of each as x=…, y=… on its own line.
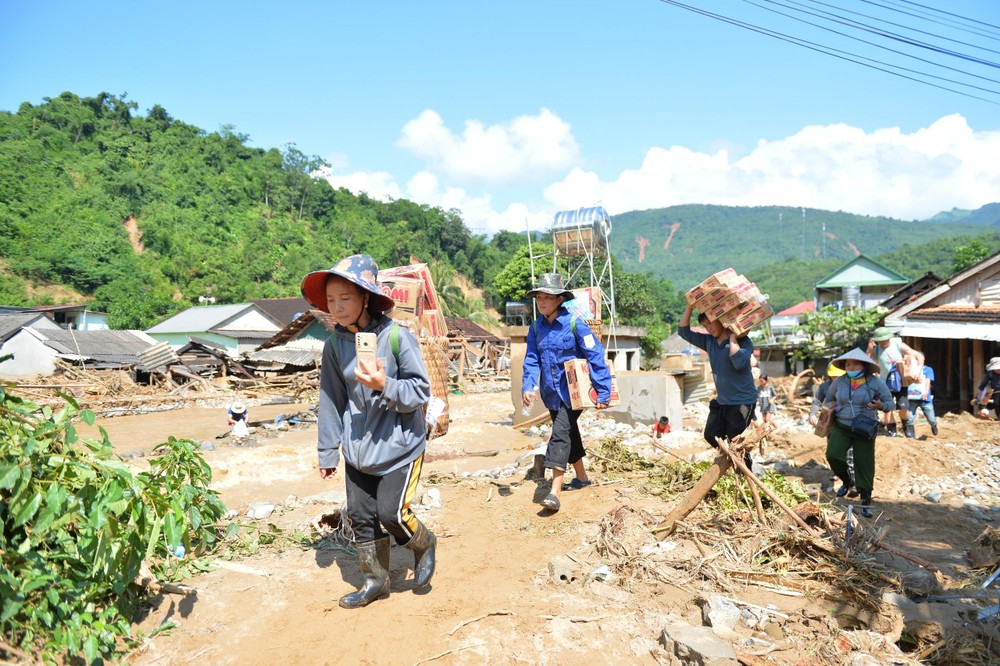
x=512, y=111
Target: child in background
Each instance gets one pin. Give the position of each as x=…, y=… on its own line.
x=662, y=426
x=765, y=400
x=920, y=396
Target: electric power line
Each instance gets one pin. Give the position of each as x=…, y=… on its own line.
x=831, y=51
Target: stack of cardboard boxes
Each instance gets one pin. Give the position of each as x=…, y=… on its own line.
x=732, y=300
x=417, y=306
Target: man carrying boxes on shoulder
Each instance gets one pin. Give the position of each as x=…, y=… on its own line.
x=729, y=306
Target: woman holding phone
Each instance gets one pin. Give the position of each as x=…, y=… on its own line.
x=370, y=412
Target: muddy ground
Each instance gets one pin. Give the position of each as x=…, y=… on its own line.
x=493, y=599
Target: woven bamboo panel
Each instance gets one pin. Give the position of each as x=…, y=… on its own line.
x=597, y=326
x=436, y=362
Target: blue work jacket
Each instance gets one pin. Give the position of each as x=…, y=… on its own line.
x=549, y=347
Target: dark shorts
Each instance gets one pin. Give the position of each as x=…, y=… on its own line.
x=902, y=402
x=727, y=421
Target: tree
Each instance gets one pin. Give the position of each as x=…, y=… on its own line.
x=967, y=255
x=832, y=332
x=513, y=282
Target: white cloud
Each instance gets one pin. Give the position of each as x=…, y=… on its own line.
x=522, y=150
x=833, y=167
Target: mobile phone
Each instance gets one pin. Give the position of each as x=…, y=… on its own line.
x=365, y=348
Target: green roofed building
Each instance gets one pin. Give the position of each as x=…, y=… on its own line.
x=861, y=282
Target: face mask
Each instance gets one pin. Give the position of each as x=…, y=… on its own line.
x=854, y=374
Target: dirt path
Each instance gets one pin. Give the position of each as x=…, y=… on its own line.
x=495, y=546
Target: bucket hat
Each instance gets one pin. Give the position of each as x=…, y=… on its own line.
x=994, y=364
x=359, y=269
x=551, y=283
x=882, y=334
x=855, y=354
x=238, y=408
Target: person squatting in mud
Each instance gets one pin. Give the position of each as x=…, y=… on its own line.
x=371, y=413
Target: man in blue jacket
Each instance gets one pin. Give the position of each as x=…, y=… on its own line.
x=554, y=338
x=732, y=410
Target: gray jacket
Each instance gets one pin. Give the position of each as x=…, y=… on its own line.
x=378, y=432
x=850, y=404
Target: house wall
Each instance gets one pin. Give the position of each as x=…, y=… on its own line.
x=869, y=296
x=31, y=356
x=91, y=321
x=251, y=320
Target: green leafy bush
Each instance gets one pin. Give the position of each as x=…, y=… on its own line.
x=77, y=523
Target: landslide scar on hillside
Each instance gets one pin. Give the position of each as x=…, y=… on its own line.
x=134, y=235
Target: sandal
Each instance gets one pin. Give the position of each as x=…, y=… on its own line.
x=551, y=502
x=576, y=484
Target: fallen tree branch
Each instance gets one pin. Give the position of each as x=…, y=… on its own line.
x=737, y=460
x=575, y=618
x=477, y=619
x=895, y=550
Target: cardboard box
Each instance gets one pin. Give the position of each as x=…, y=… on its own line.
x=745, y=322
x=586, y=302
x=419, y=272
x=434, y=323
x=726, y=278
x=407, y=294
x=722, y=306
x=581, y=393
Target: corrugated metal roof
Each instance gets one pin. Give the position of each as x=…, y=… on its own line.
x=158, y=356
x=466, y=328
x=299, y=357
x=12, y=323
x=95, y=344
x=296, y=328
x=799, y=308
x=285, y=310
x=64, y=308
x=242, y=335
x=200, y=318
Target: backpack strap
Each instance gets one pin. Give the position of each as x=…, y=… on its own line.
x=572, y=326
x=393, y=341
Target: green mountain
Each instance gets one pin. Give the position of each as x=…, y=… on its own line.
x=141, y=214
x=987, y=215
x=145, y=213
x=685, y=244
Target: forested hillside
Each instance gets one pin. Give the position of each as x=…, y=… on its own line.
x=147, y=213
x=141, y=214
x=684, y=244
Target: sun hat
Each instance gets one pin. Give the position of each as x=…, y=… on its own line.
x=551, y=283
x=359, y=269
x=238, y=408
x=881, y=334
x=855, y=354
x=834, y=371
x=994, y=364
